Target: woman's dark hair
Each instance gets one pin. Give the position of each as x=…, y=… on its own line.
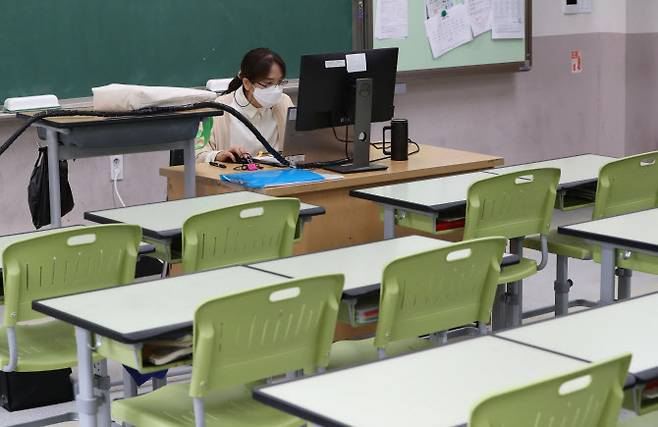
x=256, y=66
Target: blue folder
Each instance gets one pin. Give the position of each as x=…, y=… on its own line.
x=272, y=178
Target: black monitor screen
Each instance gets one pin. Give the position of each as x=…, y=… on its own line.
x=327, y=88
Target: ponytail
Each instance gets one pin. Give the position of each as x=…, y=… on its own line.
x=233, y=85
x=256, y=66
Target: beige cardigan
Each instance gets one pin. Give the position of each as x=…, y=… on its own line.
x=220, y=138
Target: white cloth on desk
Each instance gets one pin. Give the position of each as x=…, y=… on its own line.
x=120, y=97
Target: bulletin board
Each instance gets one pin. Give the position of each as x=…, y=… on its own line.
x=482, y=52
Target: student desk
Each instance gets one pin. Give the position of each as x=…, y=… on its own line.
x=348, y=221
x=600, y=333
x=136, y=313
x=421, y=205
x=578, y=179
x=162, y=222
x=362, y=265
x=77, y=137
x=636, y=231
x=437, y=387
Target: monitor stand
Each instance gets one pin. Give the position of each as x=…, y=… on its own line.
x=361, y=145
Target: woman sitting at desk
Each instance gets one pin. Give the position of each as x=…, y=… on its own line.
x=256, y=92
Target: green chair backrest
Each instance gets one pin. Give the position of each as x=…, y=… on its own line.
x=264, y=333
x=513, y=205
x=588, y=397
x=240, y=234
x=440, y=289
x=627, y=185
x=67, y=262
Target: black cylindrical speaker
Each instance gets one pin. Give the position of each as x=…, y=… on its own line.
x=399, y=139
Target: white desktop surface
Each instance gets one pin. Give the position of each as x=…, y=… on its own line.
x=634, y=230
x=161, y=303
x=438, y=387
x=575, y=169
x=433, y=192
x=362, y=265
x=170, y=215
x=601, y=333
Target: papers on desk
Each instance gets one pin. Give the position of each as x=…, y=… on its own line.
x=392, y=20
x=508, y=19
x=448, y=32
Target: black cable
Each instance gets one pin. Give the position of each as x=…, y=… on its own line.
x=145, y=112
x=416, y=151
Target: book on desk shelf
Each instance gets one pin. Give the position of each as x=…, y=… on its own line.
x=166, y=350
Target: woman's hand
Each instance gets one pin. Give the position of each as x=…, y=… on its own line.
x=232, y=155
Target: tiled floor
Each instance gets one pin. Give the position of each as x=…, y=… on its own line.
x=538, y=292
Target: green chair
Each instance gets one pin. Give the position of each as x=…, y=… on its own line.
x=240, y=339
x=428, y=293
x=53, y=265
x=514, y=206
x=625, y=185
x=240, y=234
x=587, y=397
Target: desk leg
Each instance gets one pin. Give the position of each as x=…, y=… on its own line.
x=53, y=179
x=103, y=414
x=389, y=222
x=607, y=291
x=190, y=166
x=86, y=401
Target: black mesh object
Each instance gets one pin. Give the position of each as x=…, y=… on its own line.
x=38, y=195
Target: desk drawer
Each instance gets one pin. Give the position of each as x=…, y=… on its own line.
x=132, y=355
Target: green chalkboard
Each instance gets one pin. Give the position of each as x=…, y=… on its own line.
x=483, y=51
x=66, y=47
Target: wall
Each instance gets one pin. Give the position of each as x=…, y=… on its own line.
x=545, y=113
x=642, y=76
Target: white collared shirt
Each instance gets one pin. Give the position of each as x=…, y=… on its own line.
x=230, y=132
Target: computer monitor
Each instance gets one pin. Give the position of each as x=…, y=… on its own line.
x=339, y=89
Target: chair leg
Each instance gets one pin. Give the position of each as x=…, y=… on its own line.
x=624, y=283
x=199, y=412
x=129, y=385
x=562, y=285
x=158, y=382
x=515, y=290
x=514, y=303
x=165, y=269
x=498, y=315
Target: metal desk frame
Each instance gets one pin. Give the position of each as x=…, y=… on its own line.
x=58, y=151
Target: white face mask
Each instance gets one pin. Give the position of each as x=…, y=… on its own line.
x=269, y=96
